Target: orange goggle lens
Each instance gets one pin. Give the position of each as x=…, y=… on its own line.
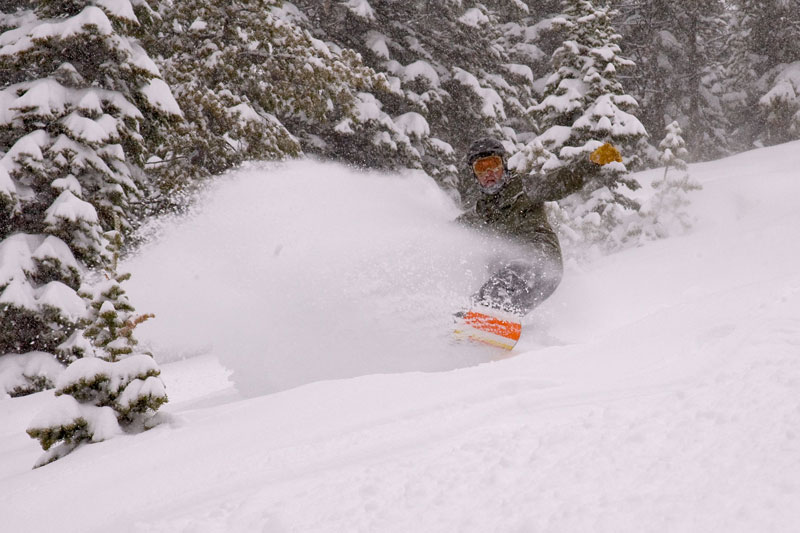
x=484, y=164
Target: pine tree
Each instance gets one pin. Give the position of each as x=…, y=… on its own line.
x=650, y=42
x=467, y=69
x=780, y=108
x=97, y=400
x=112, y=320
x=666, y=212
x=211, y=55
x=764, y=72
x=254, y=85
x=585, y=106
x=700, y=25
x=110, y=390
x=771, y=28
x=76, y=91
x=681, y=50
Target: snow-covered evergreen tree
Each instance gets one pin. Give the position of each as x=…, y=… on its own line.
x=75, y=92
x=584, y=107
x=738, y=87
x=464, y=70
x=111, y=389
x=701, y=26
x=96, y=400
x=780, y=106
x=680, y=50
x=254, y=85
x=666, y=213
x=211, y=54
x=762, y=72
x=651, y=44
x=111, y=317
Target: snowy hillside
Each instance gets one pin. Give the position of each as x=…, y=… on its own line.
x=299, y=326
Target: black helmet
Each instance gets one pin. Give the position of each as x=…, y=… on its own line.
x=485, y=147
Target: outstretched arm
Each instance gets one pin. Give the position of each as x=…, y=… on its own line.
x=559, y=183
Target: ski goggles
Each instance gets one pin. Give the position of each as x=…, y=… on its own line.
x=488, y=164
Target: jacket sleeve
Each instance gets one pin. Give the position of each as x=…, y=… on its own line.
x=557, y=184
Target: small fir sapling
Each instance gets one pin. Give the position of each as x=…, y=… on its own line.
x=113, y=321
x=112, y=389
x=667, y=209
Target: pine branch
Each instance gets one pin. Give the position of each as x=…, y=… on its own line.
x=130, y=325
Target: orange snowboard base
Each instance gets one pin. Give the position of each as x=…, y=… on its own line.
x=489, y=326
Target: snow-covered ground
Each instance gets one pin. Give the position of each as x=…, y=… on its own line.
x=311, y=389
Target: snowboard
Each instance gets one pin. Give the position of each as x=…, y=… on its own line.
x=490, y=326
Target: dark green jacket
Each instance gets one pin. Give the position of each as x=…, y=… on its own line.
x=513, y=213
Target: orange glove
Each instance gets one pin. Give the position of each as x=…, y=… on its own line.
x=605, y=154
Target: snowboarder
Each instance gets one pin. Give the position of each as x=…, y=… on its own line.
x=511, y=210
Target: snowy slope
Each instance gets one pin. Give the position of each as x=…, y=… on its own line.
x=658, y=390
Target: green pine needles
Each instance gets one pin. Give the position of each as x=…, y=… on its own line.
x=79, y=96
x=111, y=389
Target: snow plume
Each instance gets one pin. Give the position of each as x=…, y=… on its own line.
x=308, y=271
